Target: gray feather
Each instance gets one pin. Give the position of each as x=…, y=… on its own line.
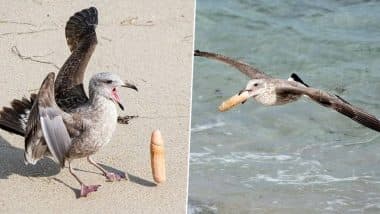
x=55, y=133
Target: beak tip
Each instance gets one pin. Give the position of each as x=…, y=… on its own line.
x=121, y=106
x=131, y=86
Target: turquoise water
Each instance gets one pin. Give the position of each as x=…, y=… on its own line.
x=297, y=158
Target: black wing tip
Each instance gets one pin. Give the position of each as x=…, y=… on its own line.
x=296, y=78
x=197, y=52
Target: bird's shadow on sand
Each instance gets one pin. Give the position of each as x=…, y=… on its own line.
x=132, y=178
x=12, y=162
x=128, y=176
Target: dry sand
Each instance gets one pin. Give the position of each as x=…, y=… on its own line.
x=146, y=42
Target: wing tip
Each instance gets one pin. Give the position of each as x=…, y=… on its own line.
x=296, y=78
x=80, y=25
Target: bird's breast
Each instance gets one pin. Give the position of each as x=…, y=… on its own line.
x=100, y=124
x=105, y=124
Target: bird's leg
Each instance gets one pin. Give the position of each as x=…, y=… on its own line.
x=84, y=190
x=109, y=175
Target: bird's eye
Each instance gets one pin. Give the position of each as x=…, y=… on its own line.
x=256, y=84
x=108, y=81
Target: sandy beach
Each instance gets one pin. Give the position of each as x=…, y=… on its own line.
x=146, y=42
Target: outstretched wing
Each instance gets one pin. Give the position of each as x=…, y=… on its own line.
x=46, y=127
x=81, y=39
x=245, y=68
x=337, y=103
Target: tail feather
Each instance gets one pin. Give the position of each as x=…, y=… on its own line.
x=14, y=119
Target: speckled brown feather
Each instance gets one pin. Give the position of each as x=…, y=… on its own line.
x=81, y=39
x=245, y=68
x=336, y=103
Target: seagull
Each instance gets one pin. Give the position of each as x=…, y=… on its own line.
x=61, y=121
x=271, y=91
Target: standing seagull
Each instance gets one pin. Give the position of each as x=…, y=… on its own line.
x=271, y=91
x=61, y=121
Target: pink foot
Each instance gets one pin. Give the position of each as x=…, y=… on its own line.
x=113, y=176
x=85, y=190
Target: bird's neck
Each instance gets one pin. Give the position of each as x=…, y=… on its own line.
x=98, y=100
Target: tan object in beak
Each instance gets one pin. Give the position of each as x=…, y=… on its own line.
x=233, y=101
x=157, y=155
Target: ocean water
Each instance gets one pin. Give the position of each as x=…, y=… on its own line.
x=296, y=158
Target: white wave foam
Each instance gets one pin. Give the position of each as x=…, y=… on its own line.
x=196, y=207
x=200, y=128
x=302, y=179
x=239, y=157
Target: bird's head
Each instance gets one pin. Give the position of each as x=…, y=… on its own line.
x=254, y=87
x=106, y=84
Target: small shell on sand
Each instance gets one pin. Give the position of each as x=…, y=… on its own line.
x=233, y=101
x=157, y=155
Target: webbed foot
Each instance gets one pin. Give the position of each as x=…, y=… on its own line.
x=114, y=176
x=85, y=190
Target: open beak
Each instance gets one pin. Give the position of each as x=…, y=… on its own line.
x=116, y=96
x=121, y=106
x=242, y=91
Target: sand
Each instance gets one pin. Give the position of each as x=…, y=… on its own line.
x=146, y=42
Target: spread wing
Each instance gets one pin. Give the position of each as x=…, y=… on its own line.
x=81, y=39
x=46, y=127
x=336, y=103
x=245, y=68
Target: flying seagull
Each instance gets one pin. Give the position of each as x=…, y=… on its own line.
x=271, y=91
x=61, y=121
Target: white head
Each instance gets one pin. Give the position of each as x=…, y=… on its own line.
x=255, y=87
x=106, y=84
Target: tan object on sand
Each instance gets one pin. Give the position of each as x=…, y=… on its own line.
x=233, y=101
x=157, y=155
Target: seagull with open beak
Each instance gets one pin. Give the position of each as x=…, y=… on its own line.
x=114, y=84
